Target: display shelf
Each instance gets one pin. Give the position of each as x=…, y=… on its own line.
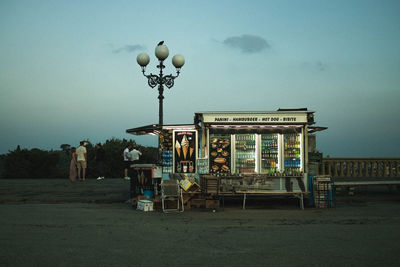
x=245, y=157
x=292, y=154
x=269, y=154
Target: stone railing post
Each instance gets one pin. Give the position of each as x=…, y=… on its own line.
x=341, y=166
x=335, y=170
x=374, y=167
x=386, y=167
x=348, y=168
x=369, y=168
x=397, y=168
x=361, y=166
x=354, y=174
x=380, y=168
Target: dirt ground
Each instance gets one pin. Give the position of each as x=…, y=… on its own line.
x=52, y=222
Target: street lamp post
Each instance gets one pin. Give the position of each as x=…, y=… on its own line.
x=161, y=80
x=153, y=80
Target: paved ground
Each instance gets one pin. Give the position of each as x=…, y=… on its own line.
x=55, y=223
x=63, y=191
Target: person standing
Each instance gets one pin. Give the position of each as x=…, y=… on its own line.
x=135, y=154
x=72, y=165
x=100, y=160
x=81, y=156
x=127, y=161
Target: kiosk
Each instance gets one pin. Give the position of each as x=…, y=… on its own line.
x=251, y=153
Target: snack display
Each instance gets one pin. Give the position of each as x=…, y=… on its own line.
x=167, y=140
x=167, y=154
x=220, y=151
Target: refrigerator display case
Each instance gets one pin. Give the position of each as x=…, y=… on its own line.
x=292, y=154
x=270, y=154
x=245, y=153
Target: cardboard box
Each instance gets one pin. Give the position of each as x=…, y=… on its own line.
x=212, y=204
x=185, y=184
x=145, y=205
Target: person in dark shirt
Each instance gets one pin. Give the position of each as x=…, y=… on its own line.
x=100, y=160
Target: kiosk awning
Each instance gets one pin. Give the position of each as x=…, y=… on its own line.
x=155, y=129
x=313, y=129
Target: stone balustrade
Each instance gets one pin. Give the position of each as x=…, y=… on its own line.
x=360, y=167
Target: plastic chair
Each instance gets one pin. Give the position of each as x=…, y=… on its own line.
x=171, y=191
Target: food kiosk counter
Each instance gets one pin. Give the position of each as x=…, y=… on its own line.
x=261, y=152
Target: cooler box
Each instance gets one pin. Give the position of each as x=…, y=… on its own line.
x=145, y=205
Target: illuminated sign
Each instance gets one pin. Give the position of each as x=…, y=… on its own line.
x=256, y=118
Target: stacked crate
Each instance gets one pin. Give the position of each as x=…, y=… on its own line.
x=210, y=189
x=209, y=184
x=322, y=191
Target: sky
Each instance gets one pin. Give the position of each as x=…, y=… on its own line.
x=68, y=69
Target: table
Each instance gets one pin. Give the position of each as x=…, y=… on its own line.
x=299, y=195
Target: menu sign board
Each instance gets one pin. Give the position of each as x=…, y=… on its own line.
x=281, y=118
x=185, y=151
x=220, y=154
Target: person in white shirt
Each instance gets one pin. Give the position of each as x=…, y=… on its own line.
x=127, y=161
x=81, y=160
x=135, y=154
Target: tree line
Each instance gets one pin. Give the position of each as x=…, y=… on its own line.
x=36, y=163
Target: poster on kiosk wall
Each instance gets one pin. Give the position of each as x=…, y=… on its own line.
x=185, y=151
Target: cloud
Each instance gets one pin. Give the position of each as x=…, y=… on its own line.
x=321, y=66
x=318, y=65
x=247, y=43
x=128, y=49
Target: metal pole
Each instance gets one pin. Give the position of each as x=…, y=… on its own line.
x=160, y=95
x=160, y=111
x=160, y=121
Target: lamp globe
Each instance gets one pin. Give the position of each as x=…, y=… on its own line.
x=162, y=52
x=143, y=59
x=178, y=61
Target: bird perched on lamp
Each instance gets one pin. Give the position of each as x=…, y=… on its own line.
x=161, y=43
